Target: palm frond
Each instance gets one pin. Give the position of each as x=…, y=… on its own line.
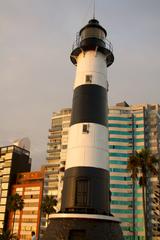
x=15, y=202
x=7, y=235
x=48, y=205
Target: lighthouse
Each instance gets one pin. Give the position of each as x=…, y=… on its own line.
x=85, y=209
x=86, y=181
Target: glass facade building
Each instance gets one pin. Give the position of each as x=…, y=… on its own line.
x=126, y=134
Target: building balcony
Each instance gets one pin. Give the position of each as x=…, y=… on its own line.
x=53, y=158
x=54, y=143
x=46, y=180
x=51, y=187
x=53, y=150
x=52, y=136
x=50, y=166
x=56, y=128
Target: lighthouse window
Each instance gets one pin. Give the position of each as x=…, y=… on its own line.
x=92, y=33
x=85, y=128
x=88, y=78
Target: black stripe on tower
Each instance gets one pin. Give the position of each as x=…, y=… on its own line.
x=89, y=104
x=86, y=190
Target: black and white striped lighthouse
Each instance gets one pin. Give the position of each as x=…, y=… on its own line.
x=86, y=181
x=85, y=211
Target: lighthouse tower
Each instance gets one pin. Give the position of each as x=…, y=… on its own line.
x=86, y=181
x=85, y=210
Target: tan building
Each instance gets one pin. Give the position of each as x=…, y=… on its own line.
x=56, y=153
x=56, y=157
x=30, y=187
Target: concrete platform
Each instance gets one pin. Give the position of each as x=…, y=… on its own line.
x=81, y=227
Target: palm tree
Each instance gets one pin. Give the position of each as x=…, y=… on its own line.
x=15, y=202
x=7, y=235
x=139, y=164
x=49, y=202
x=133, y=167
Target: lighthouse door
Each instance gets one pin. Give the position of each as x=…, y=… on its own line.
x=82, y=187
x=77, y=235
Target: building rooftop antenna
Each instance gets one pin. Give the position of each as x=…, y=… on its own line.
x=94, y=9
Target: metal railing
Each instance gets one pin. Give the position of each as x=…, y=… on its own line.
x=76, y=43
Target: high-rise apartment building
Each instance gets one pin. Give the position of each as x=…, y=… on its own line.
x=126, y=134
x=133, y=128
x=130, y=128
x=57, y=150
x=29, y=186
x=56, y=158
x=13, y=160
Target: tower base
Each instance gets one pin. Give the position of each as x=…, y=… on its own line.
x=83, y=227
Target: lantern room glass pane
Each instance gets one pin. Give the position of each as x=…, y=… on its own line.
x=92, y=32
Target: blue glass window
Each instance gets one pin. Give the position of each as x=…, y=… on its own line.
x=120, y=147
x=118, y=162
x=118, y=170
x=115, y=154
x=121, y=194
x=127, y=186
x=127, y=140
x=120, y=118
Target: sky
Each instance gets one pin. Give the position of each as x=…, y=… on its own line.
x=36, y=75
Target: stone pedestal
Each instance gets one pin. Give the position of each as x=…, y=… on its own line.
x=83, y=227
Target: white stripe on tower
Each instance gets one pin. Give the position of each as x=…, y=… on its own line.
x=87, y=149
x=91, y=63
